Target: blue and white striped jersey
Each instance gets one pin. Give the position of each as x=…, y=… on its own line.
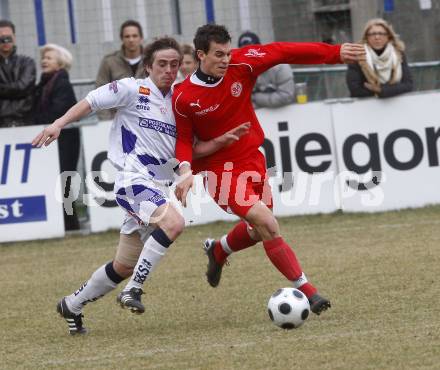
x=143, y=133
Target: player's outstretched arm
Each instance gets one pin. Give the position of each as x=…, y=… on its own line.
x=52, y=132
x=205, y=148
x=352, y=53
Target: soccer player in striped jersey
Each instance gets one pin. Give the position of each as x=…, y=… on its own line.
x=142, y=148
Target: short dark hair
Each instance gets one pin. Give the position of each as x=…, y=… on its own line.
x=6, y=23
x=162, y=43
x=131, y=23
x=210, y=32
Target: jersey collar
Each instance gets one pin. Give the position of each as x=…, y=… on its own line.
x=156, y=90
x=202, y=79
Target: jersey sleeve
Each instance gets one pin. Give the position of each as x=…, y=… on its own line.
x=262, y=57
x=185, y=135
x=113, y=95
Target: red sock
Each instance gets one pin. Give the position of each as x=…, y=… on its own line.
x=238, y=239
x=308, y=289
x=219, y=254
x=284, y=259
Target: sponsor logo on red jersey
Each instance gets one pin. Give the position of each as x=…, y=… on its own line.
x=212, y=108
x=144, y=90
x=196, y=104
x=255, y=53
x=236, y=89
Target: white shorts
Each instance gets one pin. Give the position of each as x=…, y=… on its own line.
x=131, y=224
x=139, y=197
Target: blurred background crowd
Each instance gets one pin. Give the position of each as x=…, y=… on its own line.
x=90, y=30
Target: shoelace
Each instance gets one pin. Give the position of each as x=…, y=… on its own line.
x=78, y=319
x=137, y=293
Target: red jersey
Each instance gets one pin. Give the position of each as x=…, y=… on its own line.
x=209, y=110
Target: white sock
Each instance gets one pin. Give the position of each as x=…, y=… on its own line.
x=96, y=287
x=300, y=281
x=225, y=246
x=154, y=249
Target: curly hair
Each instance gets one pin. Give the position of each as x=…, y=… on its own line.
x=162, y=43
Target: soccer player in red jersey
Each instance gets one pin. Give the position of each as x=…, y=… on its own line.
x=216, y=98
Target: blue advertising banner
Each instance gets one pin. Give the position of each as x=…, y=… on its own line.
x=23, y=209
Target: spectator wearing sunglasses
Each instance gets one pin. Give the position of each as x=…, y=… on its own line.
x=17, y=80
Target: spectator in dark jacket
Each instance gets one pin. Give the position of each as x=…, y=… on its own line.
x=17, y=80
x=54, y=96
x=385, y=72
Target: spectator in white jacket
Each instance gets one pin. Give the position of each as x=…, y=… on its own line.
x=275, y=87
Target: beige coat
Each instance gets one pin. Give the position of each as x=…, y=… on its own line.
x=114, y=67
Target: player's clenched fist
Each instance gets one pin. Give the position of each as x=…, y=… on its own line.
x=351, y=53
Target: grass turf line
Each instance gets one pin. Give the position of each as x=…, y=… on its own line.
x=380, y=270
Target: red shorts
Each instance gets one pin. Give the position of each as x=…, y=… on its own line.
x=239, y=185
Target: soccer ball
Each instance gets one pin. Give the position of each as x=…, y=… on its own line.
x=288, y=308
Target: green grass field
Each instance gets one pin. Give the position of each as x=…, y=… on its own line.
x=380, y=270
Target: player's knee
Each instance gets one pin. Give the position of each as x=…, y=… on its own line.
x=173, y=226
x=122, y=270
x=178, y=226
x=262, y=218
x=266, y=225
x=269, y=224
x=254, y=234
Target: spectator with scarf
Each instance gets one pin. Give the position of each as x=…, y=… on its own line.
x=54, y=96
x=385, y=72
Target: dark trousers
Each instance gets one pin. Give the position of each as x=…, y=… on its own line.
x=68, y=146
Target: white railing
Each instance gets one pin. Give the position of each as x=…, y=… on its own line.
x=338, y=68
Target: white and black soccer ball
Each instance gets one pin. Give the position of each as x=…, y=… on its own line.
x=288, y=308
